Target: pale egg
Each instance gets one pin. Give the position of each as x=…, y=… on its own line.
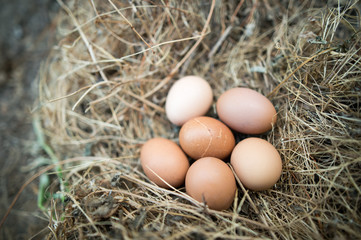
x=189, y=97
x=257, y=163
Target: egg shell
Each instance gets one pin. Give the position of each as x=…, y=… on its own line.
x=211, y=180
x=206, y=137
x=247, y=111
x=257, y=163
x=166, y=159
x=189, y=97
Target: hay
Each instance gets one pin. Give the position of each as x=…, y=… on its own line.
x=102, y=95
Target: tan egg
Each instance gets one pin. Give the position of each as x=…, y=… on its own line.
x=206, y=137
x=189, y=97
x=162, y=157
x=257, y=163
x=247, y=111
x=210, y=180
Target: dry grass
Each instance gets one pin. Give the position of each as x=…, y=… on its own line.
x=102, y=95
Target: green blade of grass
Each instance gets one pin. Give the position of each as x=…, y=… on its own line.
x=44, y=179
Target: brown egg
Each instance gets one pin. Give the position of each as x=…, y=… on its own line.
x=189, y=97
x=257, y=163
x=246, y=111
x=210, y=180
x=206, y=137
x=162, y=157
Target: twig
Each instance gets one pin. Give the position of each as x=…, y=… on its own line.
x=84, y=38
x=220, y=41
x=244, y=190
x=189, y=53
x=298, y=68
x=129, y=23
x=86, y=93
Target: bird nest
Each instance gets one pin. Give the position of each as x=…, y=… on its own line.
x=102, y=93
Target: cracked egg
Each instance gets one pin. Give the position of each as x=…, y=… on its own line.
x=206, y=137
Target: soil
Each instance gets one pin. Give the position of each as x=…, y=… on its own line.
x=26, y=36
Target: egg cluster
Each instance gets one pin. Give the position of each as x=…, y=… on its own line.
x=210, y=142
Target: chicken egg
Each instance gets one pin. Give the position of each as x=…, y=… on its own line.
x=257, y=163
x=247, y=111
x=162, y=158
x=206, y=137
x=189, y=97
x=210, y=180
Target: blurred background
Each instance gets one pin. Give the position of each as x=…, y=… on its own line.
x=26, y=37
